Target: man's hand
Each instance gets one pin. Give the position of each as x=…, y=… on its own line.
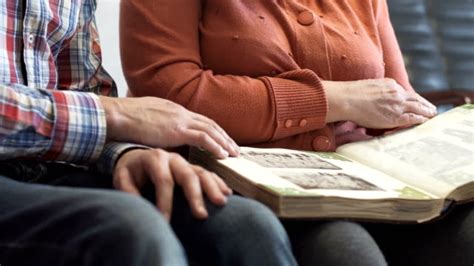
x=376, y=103
x=161, y=123
x=164, y=169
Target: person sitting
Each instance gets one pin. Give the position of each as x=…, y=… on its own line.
x=69, y=147
x=308, y=75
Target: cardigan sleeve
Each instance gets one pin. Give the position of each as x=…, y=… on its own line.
x=392, y=55
x=161, y=57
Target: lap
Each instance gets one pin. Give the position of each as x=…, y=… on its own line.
x=228, y=234
x=447, y=241
x=243, y=232
x=50, y=225
x=333, y=243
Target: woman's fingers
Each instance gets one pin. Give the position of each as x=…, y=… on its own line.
x=408, y=119
x=417, y=104
x=418, y=108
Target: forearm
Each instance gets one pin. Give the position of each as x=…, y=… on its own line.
x=251, y=110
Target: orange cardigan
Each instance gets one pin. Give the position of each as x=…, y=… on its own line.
x=254, y=66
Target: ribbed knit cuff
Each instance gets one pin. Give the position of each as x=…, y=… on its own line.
x=300, y=102
x=111, y=153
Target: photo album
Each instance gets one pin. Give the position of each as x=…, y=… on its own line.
x=412, y=175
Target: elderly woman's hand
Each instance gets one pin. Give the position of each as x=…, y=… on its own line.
x=376, y=103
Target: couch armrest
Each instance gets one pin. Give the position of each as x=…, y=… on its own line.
x=454, y=97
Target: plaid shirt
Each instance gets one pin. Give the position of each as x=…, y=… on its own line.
x=50, y=68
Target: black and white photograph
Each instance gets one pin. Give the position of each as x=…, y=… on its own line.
x=324, y=180
x=288, y=160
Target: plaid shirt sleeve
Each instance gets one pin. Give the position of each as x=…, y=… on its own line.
x=80, y=68
x=56, y=126
x=112, y=152
x=50, y=125
x=57, y=116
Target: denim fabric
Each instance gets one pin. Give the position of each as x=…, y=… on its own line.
x=244, y=232
x=46, y=225
x=79, y=221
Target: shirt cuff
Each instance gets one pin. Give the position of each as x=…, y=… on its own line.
x=79, y=127
x=300, y=102
x=111, y=153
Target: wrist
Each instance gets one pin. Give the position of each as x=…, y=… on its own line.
x=337, y=101
x=112, y=117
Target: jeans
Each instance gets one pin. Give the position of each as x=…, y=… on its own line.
x=80, y=221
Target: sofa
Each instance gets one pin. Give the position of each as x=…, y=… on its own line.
x=437, y=41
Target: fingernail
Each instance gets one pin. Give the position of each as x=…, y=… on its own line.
x=203, y=212
x=224, y=153
x=166, y=215
x=236, y=149
x=224, y=200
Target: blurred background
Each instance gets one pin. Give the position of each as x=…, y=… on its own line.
x=107, y=15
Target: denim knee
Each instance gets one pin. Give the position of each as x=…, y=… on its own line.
x=248, y=233
x=126, y=230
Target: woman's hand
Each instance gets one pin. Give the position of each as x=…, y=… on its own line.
x=376, y=103
x=165, y=169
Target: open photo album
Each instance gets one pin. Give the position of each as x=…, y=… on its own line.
x=413, y=175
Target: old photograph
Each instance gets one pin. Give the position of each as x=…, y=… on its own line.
x=288, y=160
x=324, y=180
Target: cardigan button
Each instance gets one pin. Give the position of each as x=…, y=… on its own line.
x=303, y=122
x=321, y=143
x=306, y=18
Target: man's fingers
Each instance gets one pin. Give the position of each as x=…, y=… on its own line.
x=226, y=141
x=160, y=173
x=202, y=139
x=189, y=181
x=124, y=181
x=216, y=135
x=222, y=185
x=210, y=186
